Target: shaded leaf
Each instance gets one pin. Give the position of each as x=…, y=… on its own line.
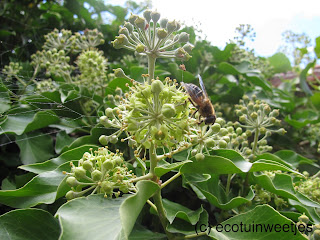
x=280, y=63
x=28, y=224
x=303, y=78
x=164, y=167
x=34, y=147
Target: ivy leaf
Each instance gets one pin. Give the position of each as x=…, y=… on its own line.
x=176, y=210
x=280, y=63
x=34, y=147
x=317, y=47
x=282, y=185
x=303, y=78
x=28, y=224
x=62, y=141
x=263, y=221
x=165, y=167
x=131, y=208
x=23, y=122
x=302, y=118
x=50, y=165
x=41, y=189
x=212, y=190
x=141, y=233
x=295, y=159
x=93, y=217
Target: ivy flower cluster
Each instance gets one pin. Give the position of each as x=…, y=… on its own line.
x=153, y=37
x=155, y=113
x=257, y=117
x=309, y=186
x=99, y=171
x=11, y=70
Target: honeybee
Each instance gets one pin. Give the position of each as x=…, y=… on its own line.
x=199, y=98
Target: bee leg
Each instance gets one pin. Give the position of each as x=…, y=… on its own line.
x=197, y=107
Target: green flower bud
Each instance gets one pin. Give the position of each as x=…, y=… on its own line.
x=168, y=110
x=156, y=86
x=133, y=126
x=274, y=113
x=147, y=15
x=114, y=139
x=129, y=26
x=124, y=188
x=230, y=129
x=163, y=22
x=140, y=48
x=124, y=31
x=118, y=91
x=107, y=187
x=266, y=109
x=215, y=128
x=96, y=175
x=199, y=156
x=210, y=143
x=182, y=54
x=72, y=181
x=226, y=138
x=303, y=218
x=221, y=121
x=87, y=165
x=262, y=130
x=132, y=143
x=109, y=112
x=155, y=16
x=183, y=37
x=140, y=22
x=171, y=26
x=222, y=144
x=107, y=165
x=263, y=142
x=79, y=172
x=188, y=47
x=162, y=33
x=239, y=130
x=194, y=152
x=119, y=73
x=243, y=118
x=132, y=18
x=281, y=131
x=223, y=132
x=71, y=195
x=194, y=139
x=254, y=115
x=248, y=133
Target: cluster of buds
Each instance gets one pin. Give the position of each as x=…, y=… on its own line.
x=257, y=117
x=59, y=40
x=93, y=66
x=46, y=85
x=54, y=61
x=100, y=171
x=312, y=135
x=150, y=113
x=149, y=35
x=263, y=196
x=304, y=226
x=11, y=70
x=90, y=39
x=309, y=186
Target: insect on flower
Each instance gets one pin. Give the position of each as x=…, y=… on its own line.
x=199, y=98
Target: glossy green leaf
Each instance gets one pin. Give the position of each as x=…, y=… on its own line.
x=137, y=71
x=229, y=162
x=141, y=233
x=303, y=78
x=23, y=122
x=41, y=189
x=165, y=167
x=302, y=118
x=282, y=185
x=35, y=147
x=73, y=154
x=176, y=210
x=311, y=212
x=132, y=206
x=93, y=217
x=294, y=158
x=264, y=223
x=5, y=99
x=28, y=224
x=222, y=55
x=280, y=63
x=185, y=228
x=213, y=192
x=62, y=141
x=315, y=99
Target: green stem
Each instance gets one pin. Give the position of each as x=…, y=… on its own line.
x=153, y=158
x=151, y=66
x=255, y=141
x=228, y=184
x=170, y=180
x=161, y=213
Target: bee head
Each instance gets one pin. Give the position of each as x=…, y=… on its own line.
x=210, y=120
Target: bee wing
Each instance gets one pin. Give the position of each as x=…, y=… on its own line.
x=202, y=86
x=194, y=92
